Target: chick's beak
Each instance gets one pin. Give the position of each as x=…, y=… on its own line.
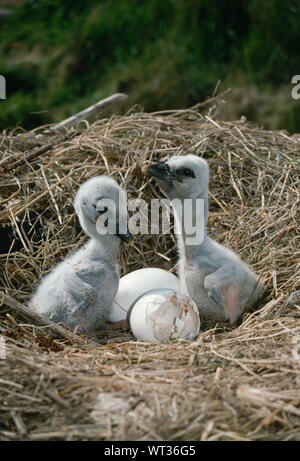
x=160, y=171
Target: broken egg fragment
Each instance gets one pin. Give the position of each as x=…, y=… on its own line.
x=135, y=284
x=162, y=315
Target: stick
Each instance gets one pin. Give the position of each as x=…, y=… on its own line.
x=211, y=100
x=53, y=327
x=89, y=112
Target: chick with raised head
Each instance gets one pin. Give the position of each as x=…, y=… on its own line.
x=220, y=283
x=80, y=290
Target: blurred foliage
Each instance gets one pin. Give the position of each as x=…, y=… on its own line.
x=58, y=56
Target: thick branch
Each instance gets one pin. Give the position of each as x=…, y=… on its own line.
x=95, y=109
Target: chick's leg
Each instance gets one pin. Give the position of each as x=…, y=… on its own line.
x=224, y=289
x=122, y=325
x=83, y=295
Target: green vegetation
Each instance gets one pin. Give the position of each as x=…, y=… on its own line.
x=58, y=56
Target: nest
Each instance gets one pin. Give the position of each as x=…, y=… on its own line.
x=237, y=383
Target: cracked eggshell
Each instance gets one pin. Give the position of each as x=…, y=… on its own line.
x=163, y=315
x=135, y=284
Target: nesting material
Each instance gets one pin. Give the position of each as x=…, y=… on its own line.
x=162, y=315
x=108, y=405
x=189, y=389
x=137, y=283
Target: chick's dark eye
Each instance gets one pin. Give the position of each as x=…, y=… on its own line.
x=103, y=211
x=186, y=172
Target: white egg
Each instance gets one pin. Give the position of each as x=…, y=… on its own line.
x=163, y=315
x=136, y=283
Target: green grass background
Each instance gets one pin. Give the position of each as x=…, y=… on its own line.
x=60, y=56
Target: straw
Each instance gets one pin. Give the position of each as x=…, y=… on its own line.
x=237, y=383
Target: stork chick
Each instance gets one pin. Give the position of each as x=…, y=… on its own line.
x=80, y=290
x=222, y=286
